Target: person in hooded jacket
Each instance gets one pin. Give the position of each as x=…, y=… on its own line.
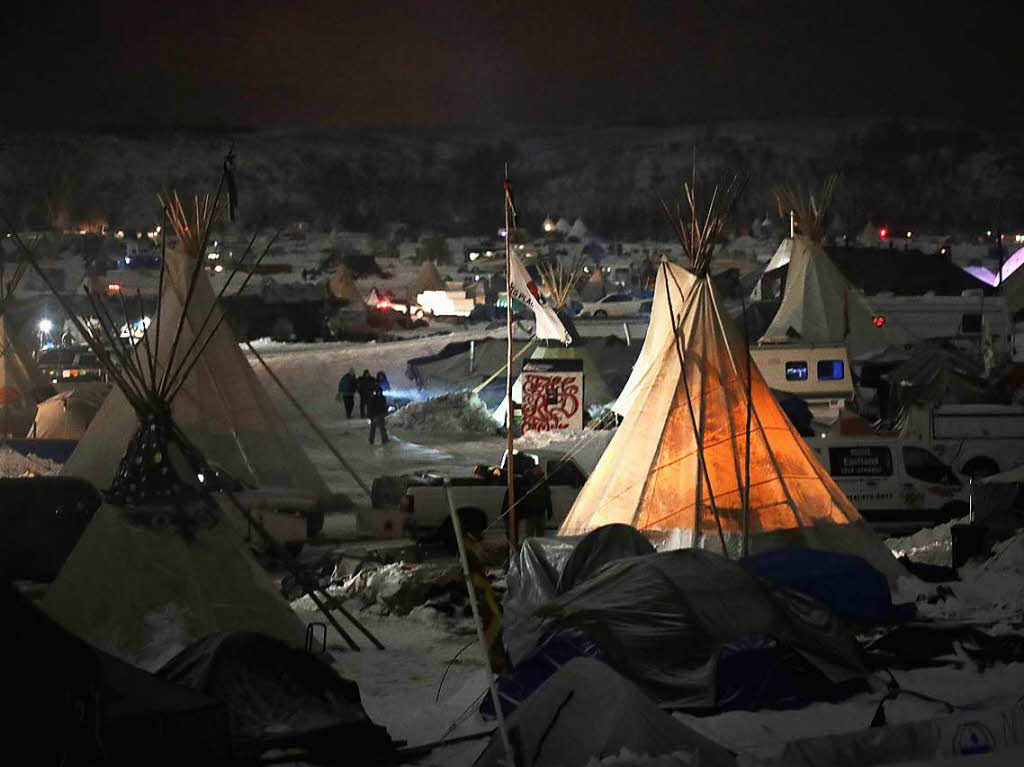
x=365, y=385
x=347, y=391
x=378, y=411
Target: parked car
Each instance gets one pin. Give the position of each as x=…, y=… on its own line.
x=70, y=364
x=612, y=305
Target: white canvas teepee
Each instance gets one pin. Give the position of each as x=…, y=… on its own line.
x=821, y=307
x=343, y=287
x=169, y=567
x=222, y=407
x=429, y=278
x=677, y=467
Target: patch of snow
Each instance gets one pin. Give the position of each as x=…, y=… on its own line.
x=14, y=464
x=455, y=413
x=932, y=545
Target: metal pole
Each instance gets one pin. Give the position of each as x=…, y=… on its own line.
x=625, y=329
x=457, y=528
x=513, y=534
x=472, y=354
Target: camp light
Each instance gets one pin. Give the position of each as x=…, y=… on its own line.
x=45, y=325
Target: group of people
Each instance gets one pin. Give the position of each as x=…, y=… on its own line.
x=372, y=402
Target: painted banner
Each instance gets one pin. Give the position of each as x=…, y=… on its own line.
x=552, y=395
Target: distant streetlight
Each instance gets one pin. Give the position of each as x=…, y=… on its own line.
x=45, y=325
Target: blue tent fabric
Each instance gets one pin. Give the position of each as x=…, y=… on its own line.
x=756, y=672
x=845, y=584
x=554, y=651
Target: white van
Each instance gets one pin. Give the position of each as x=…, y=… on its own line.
x=897, y=486
x=976, y=440
x=820, y=375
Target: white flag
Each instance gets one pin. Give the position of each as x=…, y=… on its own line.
x=525, y=290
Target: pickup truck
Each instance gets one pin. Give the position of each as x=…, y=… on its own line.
x=478, y=502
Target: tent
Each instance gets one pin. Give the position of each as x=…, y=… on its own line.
x=168, y=565
x=77, y=705
x=821, y=307
x=578, y=231
x=342, y=287
x=222, y=408
x=587, y=712
x=67, y=415
x=664, y=618
x=429, y=278
x=20, y=379
x=679, y=468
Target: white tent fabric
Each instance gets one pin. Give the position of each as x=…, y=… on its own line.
x=145, y=593
x=579, y=230
x=651, y=475
x=821, y=307
x=67, y=415
x=17, y=385
x=586, y=711
x=222, y=408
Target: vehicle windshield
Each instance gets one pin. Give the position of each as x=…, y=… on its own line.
x=922, y=465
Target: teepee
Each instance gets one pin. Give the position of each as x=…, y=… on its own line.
x=18, y=378
x=343, y=287
x=681, y=467
x=429, y=278
x=161, y=564
x=819, y=306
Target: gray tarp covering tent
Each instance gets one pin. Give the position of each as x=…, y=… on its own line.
x=662, y=618
x=587, y=711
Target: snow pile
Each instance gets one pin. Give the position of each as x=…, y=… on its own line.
x=930, y=546
x=14, y=464
x=455, y=413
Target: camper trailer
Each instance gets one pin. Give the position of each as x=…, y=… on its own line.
x=818, y=374
x=964, y=320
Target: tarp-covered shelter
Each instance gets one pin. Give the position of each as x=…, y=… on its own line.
x=587, y=712
x=680, y=468
x=663, y=618
x=342, y=287
x=821, y=307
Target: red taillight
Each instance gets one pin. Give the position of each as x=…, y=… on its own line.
x=383, y=304
x=878, y=321
x=883, y=232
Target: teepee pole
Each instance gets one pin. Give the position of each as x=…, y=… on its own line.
x=513, y=530
x=316, y=429
x=745, y=543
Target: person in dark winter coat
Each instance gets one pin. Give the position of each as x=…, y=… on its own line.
x=378, y=410
x=365, y=385
x=533, y=503
x=382, y=381
x=347, y=391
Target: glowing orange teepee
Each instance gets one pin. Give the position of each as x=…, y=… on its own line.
x=680, y=468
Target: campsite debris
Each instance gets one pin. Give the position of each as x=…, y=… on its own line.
x=15, y=464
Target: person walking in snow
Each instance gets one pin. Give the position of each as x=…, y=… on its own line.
x=347, y=391
x=382, y=381
x=378, y=410
x=365, y=385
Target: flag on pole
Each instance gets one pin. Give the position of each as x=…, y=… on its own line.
x=524, y=289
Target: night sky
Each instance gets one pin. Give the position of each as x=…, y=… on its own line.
x=440, y=63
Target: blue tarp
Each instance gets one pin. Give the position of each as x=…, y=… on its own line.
x=845, y=584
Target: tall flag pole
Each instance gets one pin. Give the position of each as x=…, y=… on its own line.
x=510, y=218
